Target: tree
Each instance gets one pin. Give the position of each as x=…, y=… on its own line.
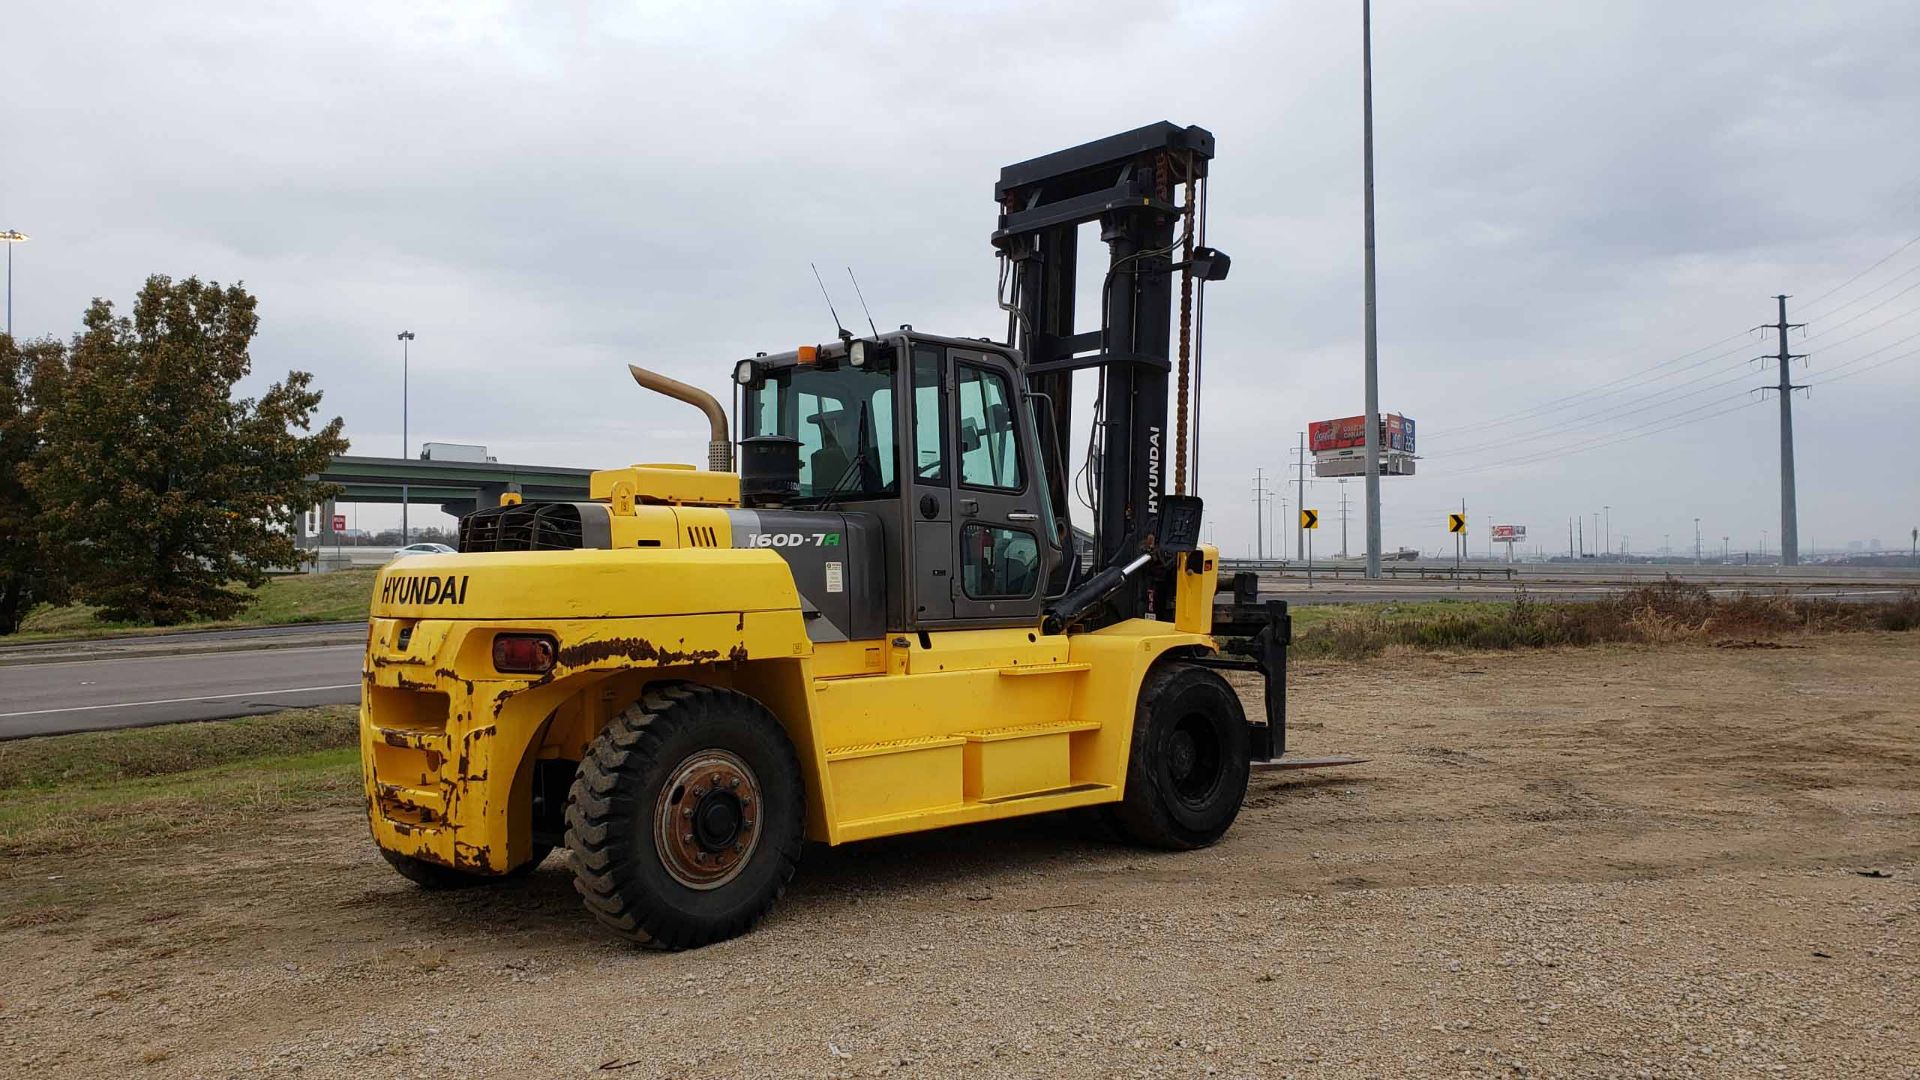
x=170, y=491
x=29, y=569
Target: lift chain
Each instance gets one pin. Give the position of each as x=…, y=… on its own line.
x=1186, y=324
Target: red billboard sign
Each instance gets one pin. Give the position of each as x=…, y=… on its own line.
x=1350, y=432
x=1509, y=533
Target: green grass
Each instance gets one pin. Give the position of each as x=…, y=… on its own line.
x=110, y=790
x=1308, y=618
x=297, y=598
x=1670, y=612
x=102, y=757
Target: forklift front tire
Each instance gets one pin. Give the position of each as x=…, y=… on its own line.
x=1187, y=772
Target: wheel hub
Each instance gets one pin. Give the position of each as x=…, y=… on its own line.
x=1195, y=756
x=707, y=819
x=1180, y=754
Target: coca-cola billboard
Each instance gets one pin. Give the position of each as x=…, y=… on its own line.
x=1350, y=432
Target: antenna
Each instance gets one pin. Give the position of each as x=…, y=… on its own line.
x=844, y=335
x=863, y=302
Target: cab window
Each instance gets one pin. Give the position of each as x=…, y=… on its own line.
x=843, y=419
x=997, y=563
x=989, y=445
x=929, y=418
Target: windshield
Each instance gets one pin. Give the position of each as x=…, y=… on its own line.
x=844, y=421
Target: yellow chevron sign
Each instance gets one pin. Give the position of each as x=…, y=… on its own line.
x=1309, y=519
x=1456, y=523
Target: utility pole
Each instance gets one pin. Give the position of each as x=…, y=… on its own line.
x=11, y=237
x=1789, y=511
x=406, y=445
x=1609, y=534
x=1343, y=518
x=1570, y=553
x=1300, y=499
x=1696, y=542
x=1372, y=330
x=1259, y=514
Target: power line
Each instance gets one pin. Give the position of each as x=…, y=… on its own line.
x=1739, y=373
x=1867, y=311
x=1856, y=371
x=1883, y=261
x=1876, y=326
x=1915, y=268
x=1550, y=406
x=1663, y=424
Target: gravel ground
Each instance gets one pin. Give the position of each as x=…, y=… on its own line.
x=1609, y=862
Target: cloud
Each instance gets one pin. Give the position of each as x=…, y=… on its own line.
x=1567, y=194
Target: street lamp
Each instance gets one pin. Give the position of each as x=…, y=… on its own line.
x=11, y=237
x=405, y=338
x=1609, y=533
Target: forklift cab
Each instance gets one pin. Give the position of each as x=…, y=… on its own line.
x=936, y=438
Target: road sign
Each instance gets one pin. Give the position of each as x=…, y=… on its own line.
x=1309, y=519
x=1456, y=523
x=339, y=523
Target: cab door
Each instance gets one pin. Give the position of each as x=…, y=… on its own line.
x=929, y=487
x=998, y=573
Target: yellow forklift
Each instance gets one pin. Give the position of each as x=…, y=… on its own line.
x=881, y=622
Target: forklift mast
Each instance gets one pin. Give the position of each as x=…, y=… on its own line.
x=1131, y=185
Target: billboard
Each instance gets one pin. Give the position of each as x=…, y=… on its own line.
x=1356, y=465
x=1509, y=534
x=1350, y=432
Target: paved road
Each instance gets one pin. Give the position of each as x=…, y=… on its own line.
x=119, y=690
x=63, y=687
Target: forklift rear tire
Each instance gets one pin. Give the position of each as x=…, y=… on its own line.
x=684, y=823
x=435, y=877
x=1187, y=772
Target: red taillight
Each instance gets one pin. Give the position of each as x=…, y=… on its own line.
x=523, y=654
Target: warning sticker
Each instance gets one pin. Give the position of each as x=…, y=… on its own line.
x=835, y=582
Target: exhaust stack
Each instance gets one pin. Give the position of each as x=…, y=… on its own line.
x=719, y=446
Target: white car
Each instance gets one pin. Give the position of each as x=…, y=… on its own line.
x=424, y=549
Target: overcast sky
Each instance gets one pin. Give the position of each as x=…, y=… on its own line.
x=1568, y=194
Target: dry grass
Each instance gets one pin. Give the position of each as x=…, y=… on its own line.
x=1670, y=612
x=118, y=790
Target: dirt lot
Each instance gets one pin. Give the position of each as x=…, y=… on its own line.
x=1615, y=861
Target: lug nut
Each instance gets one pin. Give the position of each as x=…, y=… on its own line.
x=688, y=838
x=687, y=813
x=734, y=783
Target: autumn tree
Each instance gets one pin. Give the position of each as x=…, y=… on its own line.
x=170, y=492
x=29, y=566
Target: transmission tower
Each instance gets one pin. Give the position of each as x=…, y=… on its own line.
x=1789, y=512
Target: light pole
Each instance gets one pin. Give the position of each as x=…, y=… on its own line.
x=11, y=237
x=1372, y=329
x=1609, y=533
x=406, y=446
x=1697, y=560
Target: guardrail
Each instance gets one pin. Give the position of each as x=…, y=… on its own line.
x=1430, y=571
